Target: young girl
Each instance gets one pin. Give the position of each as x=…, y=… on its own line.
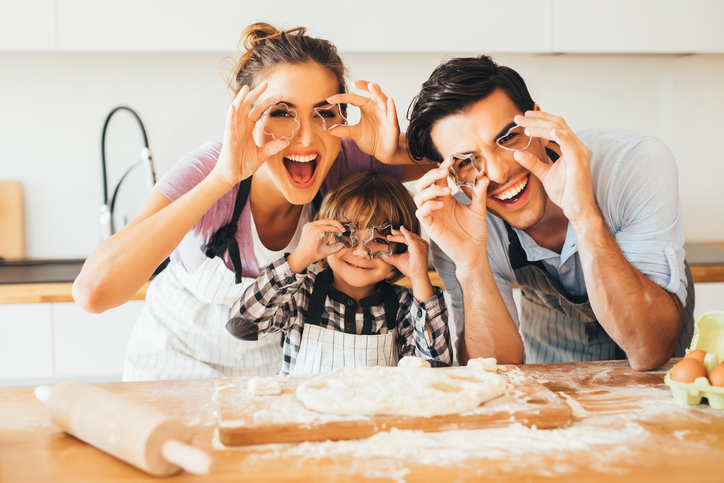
x=231, y=207
x=349, y=315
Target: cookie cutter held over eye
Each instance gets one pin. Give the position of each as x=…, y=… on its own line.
x=324, y=112
x=348, y=238
x=278, y=123
x=465, y=170
x=375, y=249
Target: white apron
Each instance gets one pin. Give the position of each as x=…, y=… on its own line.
x=181, y=333
x=322, y=350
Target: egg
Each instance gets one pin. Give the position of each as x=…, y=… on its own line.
x=697, y=354
x=687, y=370
x=716, y=377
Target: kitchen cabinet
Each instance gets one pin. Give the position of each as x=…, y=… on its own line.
x=405, y=26
x=49, y=342
x=638, y=26
x=28, y=25
x=26, y=341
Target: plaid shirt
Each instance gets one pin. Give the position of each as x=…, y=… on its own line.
x=277, y=300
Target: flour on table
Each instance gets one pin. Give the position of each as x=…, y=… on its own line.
x=412, y=361
x=264, y=386
x=401, y=391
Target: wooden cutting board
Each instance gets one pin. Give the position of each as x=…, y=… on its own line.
x=11, y=220
x=245, y=419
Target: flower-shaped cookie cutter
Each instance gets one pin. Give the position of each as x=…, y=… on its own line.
x=324, y=114
x=283, y=108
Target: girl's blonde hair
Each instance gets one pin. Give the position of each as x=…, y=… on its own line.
x=371, y=198
x=264, y=48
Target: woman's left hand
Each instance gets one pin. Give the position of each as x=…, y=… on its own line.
x=378, y=131
x=413, y=262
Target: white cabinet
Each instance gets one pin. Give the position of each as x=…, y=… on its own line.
x=638, y=26
x=92, y=344
x=26, y=341
x=50, y=342
x=27, y=25
x=375, y=26
x=407, y=26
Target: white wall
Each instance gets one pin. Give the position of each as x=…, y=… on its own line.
x=53, y=104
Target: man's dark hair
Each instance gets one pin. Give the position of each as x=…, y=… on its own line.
x=454, y=86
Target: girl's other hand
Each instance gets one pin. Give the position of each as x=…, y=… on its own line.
x=413, y=262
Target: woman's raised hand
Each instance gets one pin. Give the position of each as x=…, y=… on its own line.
x=240, y=157
x=378, y=131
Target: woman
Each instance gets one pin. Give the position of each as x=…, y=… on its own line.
x=220, y=225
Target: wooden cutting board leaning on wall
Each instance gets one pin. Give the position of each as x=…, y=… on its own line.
x=12, y=240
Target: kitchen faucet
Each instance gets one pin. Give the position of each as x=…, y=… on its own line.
x=146, y=161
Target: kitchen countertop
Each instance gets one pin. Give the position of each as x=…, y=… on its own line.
x=626, y=427
x=39, y=281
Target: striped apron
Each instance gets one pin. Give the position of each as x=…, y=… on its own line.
x=558, y=327
x=322, y=350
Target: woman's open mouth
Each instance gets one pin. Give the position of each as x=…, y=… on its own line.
x=301, y=169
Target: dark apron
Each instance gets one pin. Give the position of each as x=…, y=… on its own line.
x=224, y=238
x=559, y=327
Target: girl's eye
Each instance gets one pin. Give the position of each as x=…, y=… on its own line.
x=327, y=113
x=382, y=241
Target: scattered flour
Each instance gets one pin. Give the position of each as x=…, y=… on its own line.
x=264, y=386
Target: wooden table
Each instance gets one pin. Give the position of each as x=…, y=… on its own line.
x=626, y=428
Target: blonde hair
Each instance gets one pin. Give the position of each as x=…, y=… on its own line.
x=264, y=47
x=375, y=198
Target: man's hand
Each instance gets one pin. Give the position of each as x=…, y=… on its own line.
x=460, y=230
x=568, y=180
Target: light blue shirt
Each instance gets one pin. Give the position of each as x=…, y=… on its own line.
x=635, y=183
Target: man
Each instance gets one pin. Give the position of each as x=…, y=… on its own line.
x=588, y=226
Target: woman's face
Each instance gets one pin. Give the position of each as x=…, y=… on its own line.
x=299, y=169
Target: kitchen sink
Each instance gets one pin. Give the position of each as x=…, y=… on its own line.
x=39, y=271
x=45, y=271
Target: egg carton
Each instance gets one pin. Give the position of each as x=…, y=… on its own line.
x=709, y=337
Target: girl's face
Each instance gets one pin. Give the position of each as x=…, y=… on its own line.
x=299, y=169
x=355, y=272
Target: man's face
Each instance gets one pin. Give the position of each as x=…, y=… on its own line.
x=514, y=194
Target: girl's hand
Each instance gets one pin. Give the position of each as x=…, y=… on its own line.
x=240, y=157
x=378, y=131
x=312, y=246
x=413, y=262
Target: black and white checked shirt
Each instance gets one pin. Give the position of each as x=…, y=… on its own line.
x=277, y=300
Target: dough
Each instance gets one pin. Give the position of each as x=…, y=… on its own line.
x=402, y=391
x=264, y=386
x=412, y=361
x=489, y=364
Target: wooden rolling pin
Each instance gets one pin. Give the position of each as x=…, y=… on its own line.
x=136, y=434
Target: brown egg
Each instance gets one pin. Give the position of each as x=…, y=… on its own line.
x=687, y=370
x=697, y=354
x=716, y=377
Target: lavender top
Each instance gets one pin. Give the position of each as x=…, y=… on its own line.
x=195, y=166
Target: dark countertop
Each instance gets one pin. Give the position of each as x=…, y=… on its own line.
x=32, y=271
